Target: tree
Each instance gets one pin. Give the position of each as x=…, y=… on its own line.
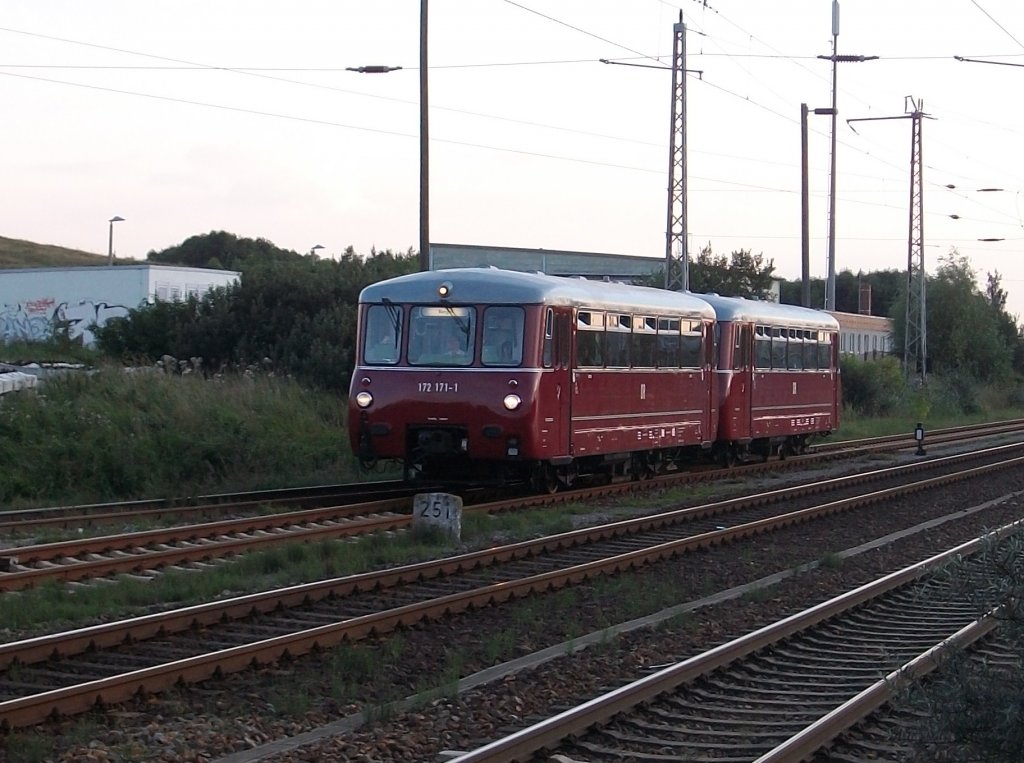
x=293, y=313
x=967, y=334
x=741, y=274
x=886, y=288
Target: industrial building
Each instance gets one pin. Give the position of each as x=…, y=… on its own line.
x=35, y=301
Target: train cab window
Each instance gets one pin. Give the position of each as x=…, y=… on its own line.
x=382, y=340
x=693, y=344
x=441, y=335
x=762, y=348
x=645, y=337
x=589, y=339
x=779, y=348
x=502, y=343
x=616, y=340
x=668, y=343
x=795, y=351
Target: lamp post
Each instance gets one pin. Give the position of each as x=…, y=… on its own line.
x=110, y=240
x=315, y=248
x=424, y=258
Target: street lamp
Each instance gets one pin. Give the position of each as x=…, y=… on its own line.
x=424, y=259
x=316, y=247
x=110, y=241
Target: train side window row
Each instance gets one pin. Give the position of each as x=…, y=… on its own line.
x=618, y=340
x=792, y=349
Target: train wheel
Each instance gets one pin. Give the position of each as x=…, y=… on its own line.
x=545, y=479
x=641, y=467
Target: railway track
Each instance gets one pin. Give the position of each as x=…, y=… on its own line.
x=79, y=559
x=21, y=521
x=17, y=522
x=779, y=694
x=67, y=673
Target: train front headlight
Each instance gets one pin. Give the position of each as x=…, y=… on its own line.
x=512, y=402
x=364, y=399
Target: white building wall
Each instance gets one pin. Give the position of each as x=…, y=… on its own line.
x=33, y=300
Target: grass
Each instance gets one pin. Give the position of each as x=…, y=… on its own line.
x=16, y=253
x=115, y=436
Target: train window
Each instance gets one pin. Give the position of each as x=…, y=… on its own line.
x=692, y=347
x=383, y=334
x=778, y=349
x=825, y=350
x=502, y=343
x=441, y=335
x=668, y=343
x=589, y=339
x=795, y=351
x=762, y=348
x=645, y=340
x=810, y=350
x=616, y=341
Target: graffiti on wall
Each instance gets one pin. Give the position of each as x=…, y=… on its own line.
x=35, y=319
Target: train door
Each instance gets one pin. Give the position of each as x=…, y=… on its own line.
x=556, y=385
x=743, y=367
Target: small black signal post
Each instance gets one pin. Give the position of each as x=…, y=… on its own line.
x=919, y=436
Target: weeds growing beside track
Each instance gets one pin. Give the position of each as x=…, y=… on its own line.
x=112, y=435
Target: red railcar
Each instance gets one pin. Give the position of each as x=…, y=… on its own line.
x=777, y=376
x=490, y=374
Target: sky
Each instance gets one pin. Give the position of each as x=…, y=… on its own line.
x=184, y=117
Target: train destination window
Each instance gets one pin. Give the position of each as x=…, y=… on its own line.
x=503, y=336
x=382, y=341
x=441, y=335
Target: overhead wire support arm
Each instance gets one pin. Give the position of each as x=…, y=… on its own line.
x=915, y=329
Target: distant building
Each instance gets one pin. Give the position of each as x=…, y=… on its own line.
x=554, y=262
x=33, y=301
x=867, y=337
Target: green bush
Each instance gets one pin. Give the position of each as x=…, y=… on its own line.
x=114, y=435
x=874, y=388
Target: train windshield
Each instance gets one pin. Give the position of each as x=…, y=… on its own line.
x=441, y=335
x=383, y=340
x=503, y=336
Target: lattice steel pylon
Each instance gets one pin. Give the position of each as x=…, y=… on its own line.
x=915, y=326
x=677, y=260
x=915, y=330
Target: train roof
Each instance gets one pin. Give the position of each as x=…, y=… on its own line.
x=494, y=285
x=740, y=308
